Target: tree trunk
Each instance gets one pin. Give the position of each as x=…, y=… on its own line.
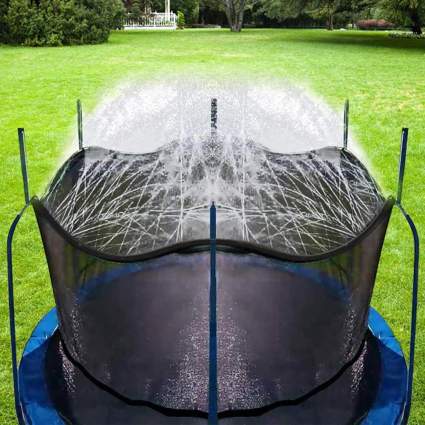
x=234, y=13
x=241, y=13
x=330, y=7
x=331, y=21
x=416, y=22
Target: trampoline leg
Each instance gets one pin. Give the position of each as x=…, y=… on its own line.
x=12, y=315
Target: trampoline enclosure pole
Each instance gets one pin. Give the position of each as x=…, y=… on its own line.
x=416, y=246
x=213, y=386
x=23, y=156
x=10, y=288
x=413, y=314
x=12, y=314
x=213, y=117
x=80, y=124
x=402, y=164
x=346, y=122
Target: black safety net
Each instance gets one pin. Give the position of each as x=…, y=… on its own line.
x=299, y=241
x=301, y=204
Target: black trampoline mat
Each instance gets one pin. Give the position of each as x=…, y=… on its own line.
x=345, y=399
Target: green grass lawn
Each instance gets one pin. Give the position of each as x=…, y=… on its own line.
x=384, y=78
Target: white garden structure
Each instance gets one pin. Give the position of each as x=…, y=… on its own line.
x=154, y=20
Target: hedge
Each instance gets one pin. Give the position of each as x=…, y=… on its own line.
x=58, y=22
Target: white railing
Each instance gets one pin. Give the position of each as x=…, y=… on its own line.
x=152, y=21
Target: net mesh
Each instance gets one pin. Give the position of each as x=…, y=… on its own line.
x=129, y=204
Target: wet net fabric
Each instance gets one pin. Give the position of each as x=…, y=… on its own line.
x=343, y=402
x=128, y=204
x=139, y=327
x=142, y=328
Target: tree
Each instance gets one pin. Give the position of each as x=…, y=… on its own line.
x=318, y=9
x=190, y=9
x=406, y=11
x=212, y=11
x=284, y=9
x=234, y=12
x=328, y=9
x=135, y=10
x=4, y=6
x=180, y=20
x=362, y=9
x=138, y=8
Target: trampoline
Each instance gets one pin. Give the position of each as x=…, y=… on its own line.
x=213, y=282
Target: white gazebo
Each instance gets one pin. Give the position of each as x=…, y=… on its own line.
x=154, y=20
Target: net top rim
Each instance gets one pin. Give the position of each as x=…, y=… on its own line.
x=108, y=151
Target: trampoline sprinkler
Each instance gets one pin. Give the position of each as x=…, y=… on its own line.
x=212, y=281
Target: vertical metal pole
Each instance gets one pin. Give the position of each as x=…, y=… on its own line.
x=415, y=286
x=414, y=313
x=402, y=163
x=213, y=384
x=213, y=117
x=9, y=247
x=80, y=124
x=346, y=122
x=23, y=155
x=12, y=316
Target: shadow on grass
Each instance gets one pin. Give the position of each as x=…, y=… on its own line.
x=357, y=38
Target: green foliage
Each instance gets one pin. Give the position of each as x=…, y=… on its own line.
x=364, y=8
x=190, y=9
x=211, y=11
x=59, y=22
x=135, y=10
x=329, y=10
x=4, y=6
x=406, y=12
x=281, y=9
x=180, y=20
